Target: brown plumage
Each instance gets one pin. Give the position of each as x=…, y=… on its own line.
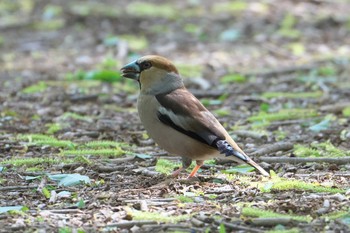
x=177, y=120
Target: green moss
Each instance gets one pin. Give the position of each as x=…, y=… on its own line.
x=284, y=114
x=346, y=112
x=337, y=215
x=104, y=144
x=35, y=137
x=231, y=6
x=166, y=166
x=184, y=199
x=283, y=185
x=45, y=140
x=75, y=116
x=292, y=95
x=145, y=9
x=54, y=143
x=31, y=161
x=158, y=217
x=36, y=88
x=116, y=152
x=255, y=212
x=292, y=230
x=323, y=149
x=190, y=71
x=136, y=43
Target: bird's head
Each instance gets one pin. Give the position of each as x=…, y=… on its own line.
x=155, y=74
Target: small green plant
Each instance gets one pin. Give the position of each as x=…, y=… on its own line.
x=166, y=166
x=255, y=212
x=346, y=112
x=53, y=128
x=36, y=88
x=287, y=27
x=233, y=78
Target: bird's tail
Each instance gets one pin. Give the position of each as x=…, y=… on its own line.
x=257, y=166
x=238, y=155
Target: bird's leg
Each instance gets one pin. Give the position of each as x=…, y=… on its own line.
x=228, y=150
x=199, y=163
x=186, y=162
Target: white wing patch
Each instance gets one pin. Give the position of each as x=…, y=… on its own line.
x=181, y=121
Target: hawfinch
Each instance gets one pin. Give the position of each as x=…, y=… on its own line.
x=176, y=120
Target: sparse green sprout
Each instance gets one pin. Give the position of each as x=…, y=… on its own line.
x=221, y=112
x=53, y=128
x=292, y=95
x=287, y=28
x=284, y=114
x=255, y=212
x=233, y=78
x=36, y=88
x=82, y=159
x=166, y=166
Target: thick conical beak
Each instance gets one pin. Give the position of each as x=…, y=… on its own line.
x=131, y=70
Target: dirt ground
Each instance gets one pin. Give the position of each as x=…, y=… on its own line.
x=241, y=58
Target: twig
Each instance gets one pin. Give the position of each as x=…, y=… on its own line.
x=17, y=188
x=269, y=222
x=338, y=161
x=238, y=227
x=335, y=108
x=207, y=93
x=324, y=174
x=279, y=146
x=65, y=211
x=101, y=168
x=130, y=224
x=250, y=134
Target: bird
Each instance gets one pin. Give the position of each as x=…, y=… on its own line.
x=176, y=120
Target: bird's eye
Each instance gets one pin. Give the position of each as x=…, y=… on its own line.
x=145, y=65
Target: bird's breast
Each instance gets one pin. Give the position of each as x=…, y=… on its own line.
x=168, y=138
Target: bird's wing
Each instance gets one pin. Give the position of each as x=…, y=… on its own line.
x=182, y=111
